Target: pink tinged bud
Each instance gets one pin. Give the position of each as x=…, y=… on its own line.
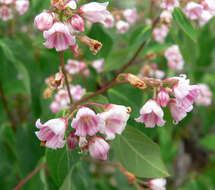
x=95, y=12
x=5, y=13
x=205, y=17
x=205, y=95
x=159, y=34
x=71, y=4
x=109, y=21
x=52, y=132
x=158, y=74
x=77, y=23
x=98, y=148
x=122, y=27
x=58, y=36
x=43, y=21
x=72, y=140
x=98, y=65
x=86, y=122
x=174, y=58
x=22, y=6
x=115, y=118
x=130, y=15
x=157, y=184
x=86, y=72
x=77, y=92
x=7, y=2
x=74, y=66
x=169, y=4
x=163, y=98
x=151, y=114
x=178, y=113
x=193, y=10
x=166, y=17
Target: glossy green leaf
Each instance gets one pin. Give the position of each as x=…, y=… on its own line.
x=60, y=162
x=183, y=22
x=139, y=154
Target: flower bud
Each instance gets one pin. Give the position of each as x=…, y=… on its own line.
x=77, y=23
x=166, y=17
x=163, y=98
x=22, y=6
x=43, y=21
x=98, y=148
x=72, y=140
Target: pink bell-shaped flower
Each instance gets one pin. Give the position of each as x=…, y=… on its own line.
x=86, y=122
x=151, y=114
x=52, y=132
x=98, y=148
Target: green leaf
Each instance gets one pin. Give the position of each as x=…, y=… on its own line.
x=60, y=162
x=140, y=34
x=209, y=142
x=139, y=154
x=184, y=24
x=19, y=66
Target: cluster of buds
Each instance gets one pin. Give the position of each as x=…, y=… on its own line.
x=174, y=58
x=90, y=130
x=8, y=8
x=176, y=93
x=201, y=10
x=80, y=67
x=64, y=22
x=61, y=98
x=124, y=19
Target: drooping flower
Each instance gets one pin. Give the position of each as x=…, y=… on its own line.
x=98, y=148
x=77, y=23
x=174, y=58
x=163, y=98
x=5, y=13
x=188, y=100
x=52, y=132
x=193, y=10
x=43, y=21
x=86, y=122
x=122, y=26
x=98, y=65
x=157, y=184
x=130, y=15
x=109, y=21
x=95, y=12
x=182, y=87
x=21, y=6
x=58, y=36
x=115, y=117
x=151, y=114
x=159, y=34
x=177, y=111
x=205, y=95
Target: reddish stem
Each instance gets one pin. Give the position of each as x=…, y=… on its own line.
x=24, y=181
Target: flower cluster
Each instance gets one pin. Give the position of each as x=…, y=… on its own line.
x=77, y=67
x=174, y=58
x=61, y=98
x=176, y=93
x=90, y=130
x=8, y=8
x=62, y=23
